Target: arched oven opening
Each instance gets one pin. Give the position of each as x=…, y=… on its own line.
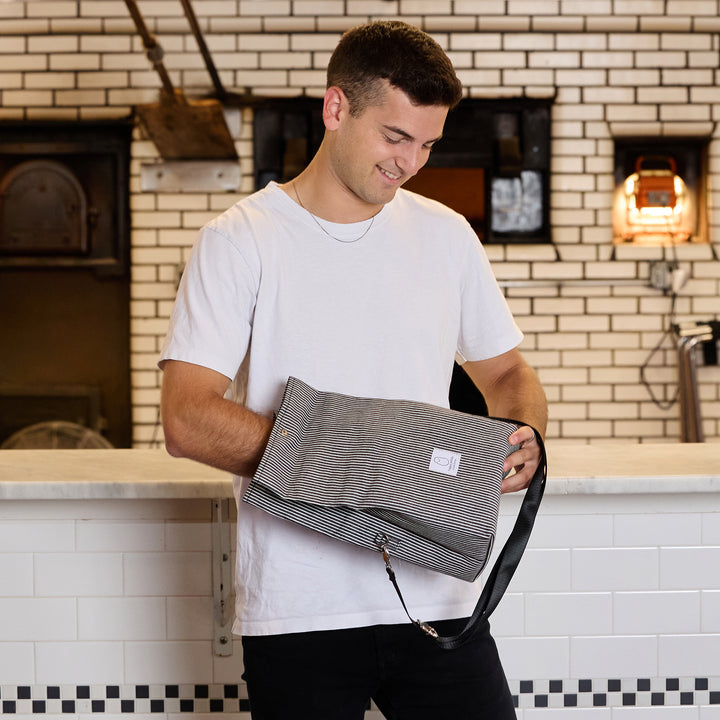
x=64, y=285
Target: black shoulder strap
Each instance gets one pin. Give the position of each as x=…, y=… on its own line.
x=504, y=567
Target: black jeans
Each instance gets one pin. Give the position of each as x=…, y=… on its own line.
x=332, y=675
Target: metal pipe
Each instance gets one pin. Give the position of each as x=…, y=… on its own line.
x=691, y=429
x=572, y=283
x=688, y=430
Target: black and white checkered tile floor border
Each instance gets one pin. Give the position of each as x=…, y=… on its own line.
x=39, y=700
x=611, y=693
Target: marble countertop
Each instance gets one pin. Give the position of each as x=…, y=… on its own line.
x=106, y=474
x=633, y=468
x=153, y=474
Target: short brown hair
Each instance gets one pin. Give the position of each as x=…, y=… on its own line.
x=397, y=52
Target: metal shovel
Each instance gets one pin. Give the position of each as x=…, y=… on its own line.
x=180, y=128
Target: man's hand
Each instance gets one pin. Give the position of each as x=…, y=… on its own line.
x=524, y=461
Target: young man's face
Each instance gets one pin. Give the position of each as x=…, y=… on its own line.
x=375, y=153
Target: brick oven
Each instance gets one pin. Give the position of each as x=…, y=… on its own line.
x=64, y=285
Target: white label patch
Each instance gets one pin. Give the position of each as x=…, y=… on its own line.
x=446, y=462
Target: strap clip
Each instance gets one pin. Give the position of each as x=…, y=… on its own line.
x=427, y=629
x=383, y=541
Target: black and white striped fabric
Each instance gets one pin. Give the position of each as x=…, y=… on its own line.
x=419, y=481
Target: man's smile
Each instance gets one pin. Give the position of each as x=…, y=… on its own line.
x=391, y=176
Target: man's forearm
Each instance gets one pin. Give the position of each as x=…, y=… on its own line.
x=511, y=389
x=520, y=397
x=200, y=424
x=226, y=436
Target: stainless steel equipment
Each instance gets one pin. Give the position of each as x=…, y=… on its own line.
x=688, y=339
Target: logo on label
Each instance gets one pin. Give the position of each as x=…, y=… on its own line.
x=446, y=462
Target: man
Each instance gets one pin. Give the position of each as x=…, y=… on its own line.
x=342, y=279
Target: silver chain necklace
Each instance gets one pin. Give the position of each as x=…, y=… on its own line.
x=325, y=230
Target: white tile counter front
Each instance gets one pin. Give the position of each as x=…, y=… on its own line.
x=106, y=601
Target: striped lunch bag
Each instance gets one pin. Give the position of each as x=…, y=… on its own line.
x=407, y=479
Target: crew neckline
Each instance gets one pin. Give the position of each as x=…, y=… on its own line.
x=345, y=232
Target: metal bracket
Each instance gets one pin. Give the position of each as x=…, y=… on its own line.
x=176, y=176
x=223, y=610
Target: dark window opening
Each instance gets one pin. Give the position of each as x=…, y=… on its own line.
x=492, y=164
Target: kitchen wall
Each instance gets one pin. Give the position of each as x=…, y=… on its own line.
x=616, y=68
x=106, y=604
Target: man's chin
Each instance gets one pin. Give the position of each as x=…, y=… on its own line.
x=384, y=196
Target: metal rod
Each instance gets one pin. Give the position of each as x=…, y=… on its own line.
x=195, y=27
x=152, y=46
x=221, y=578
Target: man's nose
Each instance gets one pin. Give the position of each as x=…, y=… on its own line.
x=413, y=158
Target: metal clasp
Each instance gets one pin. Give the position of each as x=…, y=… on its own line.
x=383, y=544
x=427, y=629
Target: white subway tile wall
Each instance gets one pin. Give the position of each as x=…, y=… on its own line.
x=614, y=587
x=615, y=609
x=615, y=67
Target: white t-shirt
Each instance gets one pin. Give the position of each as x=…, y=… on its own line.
x=267, y=294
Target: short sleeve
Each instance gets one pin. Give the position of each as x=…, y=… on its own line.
x=487, y=327
x=211, y=322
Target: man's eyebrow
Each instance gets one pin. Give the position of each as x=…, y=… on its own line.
x=407, y=135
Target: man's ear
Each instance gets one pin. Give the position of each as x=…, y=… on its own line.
x=335, y=107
